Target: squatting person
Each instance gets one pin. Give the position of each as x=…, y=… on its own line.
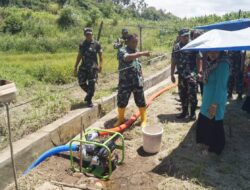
x=130, y=79
x=89, y=68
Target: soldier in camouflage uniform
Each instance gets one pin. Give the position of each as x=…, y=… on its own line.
x=121, y=42
x=130, y=79
x=237, y=72
x=185, y=61
x=89, y=68
x=200, y=58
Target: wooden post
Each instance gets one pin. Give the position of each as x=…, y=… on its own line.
x=11, y=146
x=140, y=28
x=100, y=31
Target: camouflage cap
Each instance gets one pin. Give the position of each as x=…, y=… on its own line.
x=183, y=32
x=88, y=31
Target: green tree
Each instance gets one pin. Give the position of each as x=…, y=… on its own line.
x=4, y=2
x=94, y=16
x=66, y=18
x=13, y=24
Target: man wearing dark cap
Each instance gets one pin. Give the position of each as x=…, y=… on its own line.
x=122, y=40
x=130, y=79
x=88, y=71
x=185, y=61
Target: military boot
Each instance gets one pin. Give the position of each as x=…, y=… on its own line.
x=183, y=114
x=192, y=116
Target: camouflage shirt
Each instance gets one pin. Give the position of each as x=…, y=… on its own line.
x=89, y=51
x=121, y=42
x=184, y=60
x=130, y=72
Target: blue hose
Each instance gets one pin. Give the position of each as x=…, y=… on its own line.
x=51, y=152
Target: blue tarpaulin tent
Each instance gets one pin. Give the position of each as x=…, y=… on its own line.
x=221, y=40
x=231, y=25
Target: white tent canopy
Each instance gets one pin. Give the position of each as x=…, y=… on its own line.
x=221, y=40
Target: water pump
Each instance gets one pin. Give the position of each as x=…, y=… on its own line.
x=100, y=155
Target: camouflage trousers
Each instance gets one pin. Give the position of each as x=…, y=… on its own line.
x=236, y=79
x=87, y=80
x=124, y=94
x=188, y=93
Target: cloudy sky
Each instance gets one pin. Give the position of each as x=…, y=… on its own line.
x=190, y=8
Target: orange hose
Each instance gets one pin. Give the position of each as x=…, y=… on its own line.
x=134, y=117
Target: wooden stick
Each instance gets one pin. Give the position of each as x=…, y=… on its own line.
x=73, y=186
x=11, y=146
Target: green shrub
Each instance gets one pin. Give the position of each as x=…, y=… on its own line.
x=107, y=10
x=115, y=21
x=66, y=18
x=13, y=24
x=93, y=17
x=53, y=73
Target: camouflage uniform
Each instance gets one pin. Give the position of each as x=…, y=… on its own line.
x=187, y=76
x=130, y=80
x=237, y=75
x=120, y=43
x=88, y=70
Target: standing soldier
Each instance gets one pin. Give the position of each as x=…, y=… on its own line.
x=237, y=73
x=89, y=68
x=200, y=58
x=122, y=40
x=185, y=61
x=130, y=79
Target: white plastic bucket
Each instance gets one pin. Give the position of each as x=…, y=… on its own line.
x=152, y=137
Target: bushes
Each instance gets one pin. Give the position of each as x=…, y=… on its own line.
x=93, y=17
x=40, y=44
x=13, y=24
x=66, y=18
x=107, y=10
x=51, y=73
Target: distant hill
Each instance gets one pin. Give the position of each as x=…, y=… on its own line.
x=123, y=8
x=56, y=25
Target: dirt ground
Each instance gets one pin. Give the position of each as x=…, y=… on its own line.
x=181, y=163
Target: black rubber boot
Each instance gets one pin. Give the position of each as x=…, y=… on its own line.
x=183, y=114
x=88, y=100
x=192, y=116
x=90, y=104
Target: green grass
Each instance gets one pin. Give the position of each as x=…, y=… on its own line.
x=27, y=69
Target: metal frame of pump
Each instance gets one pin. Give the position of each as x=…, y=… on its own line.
x=114, y=136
